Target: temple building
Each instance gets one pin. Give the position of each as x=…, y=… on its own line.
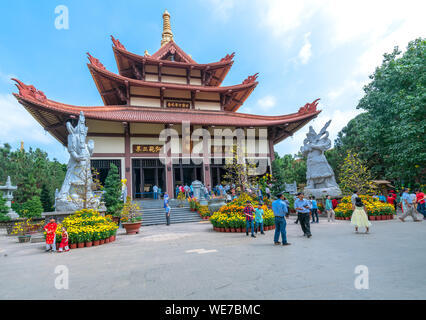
x=164, y=91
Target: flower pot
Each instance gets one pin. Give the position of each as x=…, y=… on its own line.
x=132, y=227
x=347, y=218
x=80, y=245
x=106, y=240
x=111, y=238
x=89, y=243
x=222, y=229
x=24, y=238
x=372, y=217
x=227, y=230
x=73, y=245
x=102, y=241
x=57, y=246
x=96, y=243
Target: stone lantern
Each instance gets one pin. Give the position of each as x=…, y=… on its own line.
x=8, y=190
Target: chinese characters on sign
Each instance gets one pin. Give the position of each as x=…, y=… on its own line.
x=177, y=104
x=142, y=148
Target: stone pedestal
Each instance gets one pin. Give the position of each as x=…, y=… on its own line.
x=323, y=192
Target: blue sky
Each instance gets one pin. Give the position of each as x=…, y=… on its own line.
x=303, y=50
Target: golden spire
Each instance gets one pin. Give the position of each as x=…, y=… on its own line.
x=167, y=34
x=22, y=146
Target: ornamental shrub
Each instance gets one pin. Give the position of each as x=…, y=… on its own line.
x=4, y=209
x=32, y=208
x=112, y=194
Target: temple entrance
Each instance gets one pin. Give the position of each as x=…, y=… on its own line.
x=217, y=171
x=100, y=169
x=187, y=173
x=146, y=174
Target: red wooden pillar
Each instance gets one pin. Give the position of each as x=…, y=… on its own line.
x=127, y=164
x=169, y=170
x=206, y=159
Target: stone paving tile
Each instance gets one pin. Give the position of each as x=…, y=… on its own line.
x=155, y=264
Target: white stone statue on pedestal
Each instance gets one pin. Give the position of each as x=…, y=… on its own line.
x=77, y=186
x=319, y=176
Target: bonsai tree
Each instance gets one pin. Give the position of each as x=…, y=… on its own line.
x=130, y=212
x=112, y=195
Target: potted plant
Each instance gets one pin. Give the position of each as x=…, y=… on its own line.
x=72, y=239
x=21, y=229
x=80, y=240
x=96, y=238
x=89, y=239
x=131, y=218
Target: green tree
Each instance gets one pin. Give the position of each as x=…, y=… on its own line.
x=30, y=170
x=47, y=198
x=395, y=100
x=112, y=194
x=4, y=209
x=287, y=169
x=32, y=208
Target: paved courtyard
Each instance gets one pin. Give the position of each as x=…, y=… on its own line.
x=191, y=261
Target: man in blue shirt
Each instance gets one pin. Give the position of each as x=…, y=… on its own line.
x=302, y=207
x=280, y=211
x=408, y=207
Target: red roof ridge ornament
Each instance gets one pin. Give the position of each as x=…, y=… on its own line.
x=228, y=57
x=95, y=61
x=117, y=43
x=251, y=79
x=309, y=107
x=29, y=91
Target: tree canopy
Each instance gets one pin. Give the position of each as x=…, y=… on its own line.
x=31, y=171
x=391, y=136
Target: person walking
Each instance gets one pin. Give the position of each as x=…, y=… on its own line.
x=359, y=217
x=50, y=229
x=258, y=219
x=314, y=210
x=280, y=210
x=249, y=212
x=421, y=203
x=302, y=207
x=353, y=197
x=168, y=210
x=329, y=209
x=408, y=207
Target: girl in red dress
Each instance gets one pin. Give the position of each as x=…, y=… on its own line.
x=64, y=242
x=50, y=229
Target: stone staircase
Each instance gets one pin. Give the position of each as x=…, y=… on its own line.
x=153, y=213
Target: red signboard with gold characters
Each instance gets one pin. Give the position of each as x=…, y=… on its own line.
x=146, y=148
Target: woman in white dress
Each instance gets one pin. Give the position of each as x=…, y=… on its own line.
x=359, y=216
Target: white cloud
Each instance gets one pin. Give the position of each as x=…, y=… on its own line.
x=17, y=124
x=305, y=52
x=222, y=8
x=339, y=120
x=267, y=102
